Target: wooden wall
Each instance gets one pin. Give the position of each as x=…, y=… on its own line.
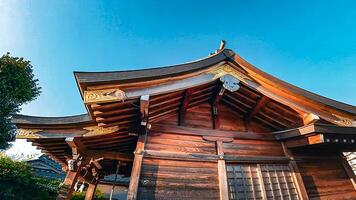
x=323, y=174
x=177, y=166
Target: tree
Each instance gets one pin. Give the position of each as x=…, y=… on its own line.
x=17, y=181
x=17, y=86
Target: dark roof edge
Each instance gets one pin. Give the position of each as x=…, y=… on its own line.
x=347, y=108
x=36, y=120
x=152, y=73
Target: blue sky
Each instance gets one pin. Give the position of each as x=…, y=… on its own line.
x=309, y=44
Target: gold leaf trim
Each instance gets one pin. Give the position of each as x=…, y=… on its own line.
x=103, y=96
x=97, y=130
x=27, y=133
x=227, y=69
x=342, y=121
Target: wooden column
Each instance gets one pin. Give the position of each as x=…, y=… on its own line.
x=136, y=169
x=77, y=162
x=297, y=177
x=224, y=193
x=89, y=195
x=66, y=189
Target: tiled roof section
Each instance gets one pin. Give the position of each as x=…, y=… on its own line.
x=152, y=73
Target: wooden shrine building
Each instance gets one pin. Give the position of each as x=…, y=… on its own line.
x=216, y=128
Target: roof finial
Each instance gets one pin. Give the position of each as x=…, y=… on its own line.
x=222, y=45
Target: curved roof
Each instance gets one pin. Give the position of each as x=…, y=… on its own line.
x=152, y=73
x=102, y=78
x=310, y=95
x=35, y=120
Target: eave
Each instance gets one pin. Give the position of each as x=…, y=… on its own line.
x=318, y=134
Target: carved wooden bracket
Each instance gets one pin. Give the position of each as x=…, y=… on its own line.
x=104, y=96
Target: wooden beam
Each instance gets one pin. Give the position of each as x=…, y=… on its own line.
x=187, y=96
x=110, y=155
x=67, y=187
x=89, y=194
x=76, y=145
x=215, y=105
x=305, y=141
x=136, y=168
x=209, y=132
x=310, y=118
x=144, y=105
x=259, y=104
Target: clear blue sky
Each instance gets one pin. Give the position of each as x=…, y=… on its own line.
x=311, y=45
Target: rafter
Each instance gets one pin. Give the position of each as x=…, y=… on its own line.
x=187, y=96
x=259, y=104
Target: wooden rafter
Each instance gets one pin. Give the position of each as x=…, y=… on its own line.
x=187, y=96
x=259, y=104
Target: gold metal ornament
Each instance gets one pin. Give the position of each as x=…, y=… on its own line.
x=27, y=133
x=227, y=69
x=103, y=96
x=342, y=121
x=97, y=130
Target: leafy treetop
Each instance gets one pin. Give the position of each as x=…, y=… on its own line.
x=17, y=86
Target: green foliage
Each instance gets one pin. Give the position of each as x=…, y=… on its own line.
x=17, y=86
x=17, y=181
x=98, y=195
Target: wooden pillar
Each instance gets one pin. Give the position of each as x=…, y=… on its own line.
x=136, y=168
x=66, y=189
x=89, y=195
x=224, y=193
x=297, y=177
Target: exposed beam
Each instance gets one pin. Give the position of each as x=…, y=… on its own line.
x=144, y=104
x=310, y=118
x=110, y=155
x=187, y=96
x=219, y=92
x=209, y=132
x=76, y=145
x=259, y=104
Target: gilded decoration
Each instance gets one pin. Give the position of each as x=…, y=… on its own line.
x=97, y=130
x=342, y=121
x=225, y=70
x=102, y=96
x=27, y=133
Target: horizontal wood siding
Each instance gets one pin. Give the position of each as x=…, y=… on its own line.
x=326, y=179
x=176, y=143
x=170, y=179
x=245, y=147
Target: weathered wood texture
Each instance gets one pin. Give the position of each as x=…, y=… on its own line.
x=253, y=148
x=169, y=179
x=324, y=175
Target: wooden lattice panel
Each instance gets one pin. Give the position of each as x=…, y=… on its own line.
x=256, y=181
